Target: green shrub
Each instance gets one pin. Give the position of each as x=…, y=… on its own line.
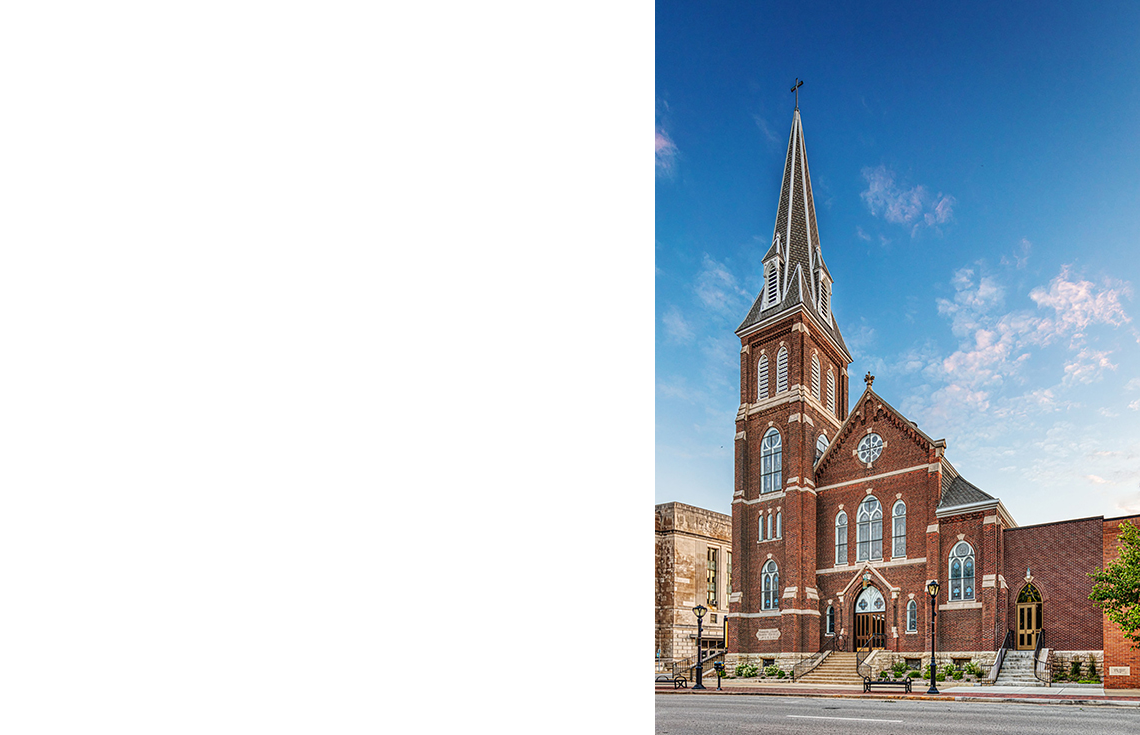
x=948, y=670
x=780, y=673
x=1092, y=668
x=1075, y=669
x=885, y=674
x=912, y=674
x=899, y=668
x=974, y=670
x=958, y=675
x=771, y=670
x=745, y=670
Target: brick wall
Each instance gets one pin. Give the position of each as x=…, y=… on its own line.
x=1119, y=652
x=1059, y=557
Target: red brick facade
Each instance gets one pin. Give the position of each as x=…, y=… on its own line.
x=1119, y=652
x=948, y=521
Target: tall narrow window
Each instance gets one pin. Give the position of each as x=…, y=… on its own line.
x=869, y=530
x=815, y=377
x=773, y=284
x=841, y=538
x=779, y=526
x=831, y=392
x=782, y=370
x=820, y=446
x=770, y=526
x=762, y=378
x=912, y=617
x=728, y=574
x=824, y=301
x=760, y=526
x=898, y=529
x=770, y=462
x=830, y=629
x=962, y=572
x=710, y=576
x=770, y=586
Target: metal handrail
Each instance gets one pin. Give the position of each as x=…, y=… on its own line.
x=804, y=665
x=1047, y=679
x=1006, y=643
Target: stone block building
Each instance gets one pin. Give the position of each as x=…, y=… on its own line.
x=842, y=510
x=694, y=567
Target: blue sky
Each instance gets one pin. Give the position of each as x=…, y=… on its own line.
x=976, y=170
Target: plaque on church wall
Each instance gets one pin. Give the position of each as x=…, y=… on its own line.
x=1119, y=670
x=768, y=634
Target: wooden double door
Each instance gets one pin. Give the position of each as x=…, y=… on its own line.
x=1028, y=618
x=870, y=630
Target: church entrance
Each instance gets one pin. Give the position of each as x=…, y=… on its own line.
x=1028, y=618
x=870, y=620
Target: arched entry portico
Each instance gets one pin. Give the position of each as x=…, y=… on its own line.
x=870, y=619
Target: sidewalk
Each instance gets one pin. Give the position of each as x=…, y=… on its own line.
x=1084, y=695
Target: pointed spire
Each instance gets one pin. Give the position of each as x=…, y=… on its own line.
x=795, y=251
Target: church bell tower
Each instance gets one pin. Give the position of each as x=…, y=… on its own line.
x=793, y=398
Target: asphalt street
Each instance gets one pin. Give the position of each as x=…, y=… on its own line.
x=727, y=715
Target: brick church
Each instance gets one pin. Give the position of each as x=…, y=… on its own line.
x=840, y=517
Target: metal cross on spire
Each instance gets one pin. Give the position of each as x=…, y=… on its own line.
x=796, y=89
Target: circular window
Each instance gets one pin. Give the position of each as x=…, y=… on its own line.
x=870, y=448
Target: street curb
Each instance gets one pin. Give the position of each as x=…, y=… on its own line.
x=925, y=697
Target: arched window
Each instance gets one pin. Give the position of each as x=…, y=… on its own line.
x=815, y=377
x=869, y=530
x=912, y=617
x=841, y=538
x=898, y=529
x=762, y=378
x=770, y=526
x=773, y=283
x=770, y=462
x=782, y=370
x=779, y=526
x=820, y=446
x=830, y=629
x=962, y=572
x=770, y=585
x=831, y=391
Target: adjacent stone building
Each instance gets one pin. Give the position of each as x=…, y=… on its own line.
x=840, y=516
x=694, y=567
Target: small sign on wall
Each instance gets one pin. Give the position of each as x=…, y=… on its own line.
x=768, y=634
x=1119, y=670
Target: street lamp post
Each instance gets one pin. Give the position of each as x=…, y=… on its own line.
x=932, y=590
x=699, y=611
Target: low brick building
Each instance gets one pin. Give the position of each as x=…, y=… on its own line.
x=694, y=566
x=841, y=516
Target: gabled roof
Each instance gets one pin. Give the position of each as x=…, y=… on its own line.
x=844, y=428
x=956, y=490
x=795, y=239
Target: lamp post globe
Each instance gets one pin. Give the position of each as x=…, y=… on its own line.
x=699, y=611
x=932, y=588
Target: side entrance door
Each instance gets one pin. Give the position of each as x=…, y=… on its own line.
x=1028, y=618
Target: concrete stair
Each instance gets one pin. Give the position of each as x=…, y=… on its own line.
x=837, y=668
x=1017, y=670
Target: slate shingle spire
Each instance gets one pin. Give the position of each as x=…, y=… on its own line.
x=794, y=271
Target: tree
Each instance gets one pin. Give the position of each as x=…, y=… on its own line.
x=1116, y=589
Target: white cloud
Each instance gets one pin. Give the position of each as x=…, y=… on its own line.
x=910, y=206
x=1078, y=304
x=1087, y=366
x=666, y=152
x=860, y=234
x=766, y=129
x=1135, y=405
x=718, y=289
x=1020, y=255
x=676, y=328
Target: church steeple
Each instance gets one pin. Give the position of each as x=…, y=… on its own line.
x=794, y=271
